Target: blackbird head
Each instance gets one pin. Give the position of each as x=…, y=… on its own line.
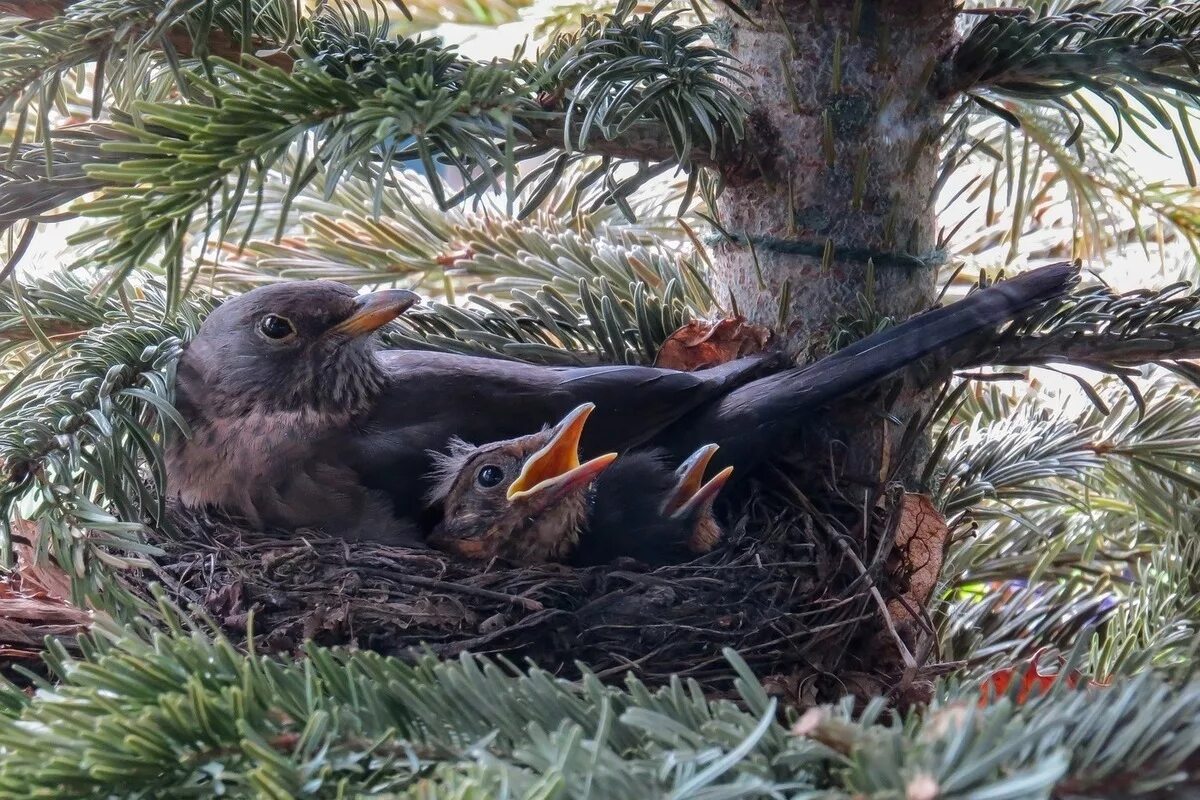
x=524, y=500
x=691, y=499
x=297, y=346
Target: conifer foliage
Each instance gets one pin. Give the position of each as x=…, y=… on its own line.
x=564, y=205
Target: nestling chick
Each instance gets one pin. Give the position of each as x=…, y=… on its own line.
x=642, y=509
x=529, y=500
x=524, y=500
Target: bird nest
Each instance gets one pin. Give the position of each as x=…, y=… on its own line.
x=818, y=600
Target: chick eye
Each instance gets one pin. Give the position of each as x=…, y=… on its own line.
x=489, y=476
x=276, y=327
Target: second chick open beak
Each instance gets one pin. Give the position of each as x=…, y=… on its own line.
x=689, y=478
x=690, y=492
x=705, y=495
x=554, y=470
x=375, y=310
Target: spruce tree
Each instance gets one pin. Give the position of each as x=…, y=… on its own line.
x=821, y=169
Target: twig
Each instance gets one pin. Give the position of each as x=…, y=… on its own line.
x=218, y=42
x=453, y=588
x=910, y=663
x=176, y=586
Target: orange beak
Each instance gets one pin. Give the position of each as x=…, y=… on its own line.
x=555, y=470
x=706, y=495
x=690, y=493
x=374, y=311
x=689, y=478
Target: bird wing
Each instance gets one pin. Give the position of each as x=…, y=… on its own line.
x=431, y=397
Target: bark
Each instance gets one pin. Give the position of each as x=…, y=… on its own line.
x=842, y=224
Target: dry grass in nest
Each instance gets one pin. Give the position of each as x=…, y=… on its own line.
x=791, y=589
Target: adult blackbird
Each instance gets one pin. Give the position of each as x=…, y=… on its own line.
x=529, y=500
x=271, y=389
x=297, y=419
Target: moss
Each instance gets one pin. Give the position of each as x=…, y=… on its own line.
x=722, y=33
x=852, y=114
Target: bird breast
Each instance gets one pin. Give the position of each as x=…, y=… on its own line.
x=553, y=535
x=241, y=465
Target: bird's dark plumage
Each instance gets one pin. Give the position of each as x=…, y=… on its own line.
x=749, y=421
x=631, y=517
x=326, y=431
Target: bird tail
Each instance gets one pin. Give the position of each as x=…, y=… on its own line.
x=753, y=419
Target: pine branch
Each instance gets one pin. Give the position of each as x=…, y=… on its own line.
x=187, y=714
x=1138, y=62
x=37, y=180
x=403, y=101
x=82, y=425
x=70, y=23
x=1010, y=181
x=992, y=625
x=1097, y=743
x=36, y=53
x=367, y=231
x=54, y=310
x=1082, y=525
x=549, y=295
x=28, y=189
x=681, y=80
x=602, y=324
x=372, y=725
x=1037, y=480
x=1101, y=330
x=398, y=101
x=1014, y=459
x=645, y=141
x=1053, y=53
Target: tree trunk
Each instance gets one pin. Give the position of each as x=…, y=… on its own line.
x=840, y=225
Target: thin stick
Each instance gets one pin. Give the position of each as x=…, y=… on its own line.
x=910, y=663
x=458, y=588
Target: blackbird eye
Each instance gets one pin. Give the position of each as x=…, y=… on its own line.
x=489, y=476
x=276, y=327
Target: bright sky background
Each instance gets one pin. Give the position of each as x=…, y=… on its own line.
x=1124, y=270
